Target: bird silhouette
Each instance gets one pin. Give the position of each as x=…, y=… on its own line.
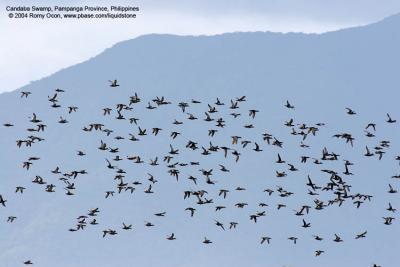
x=113, y=83
x=193, y=150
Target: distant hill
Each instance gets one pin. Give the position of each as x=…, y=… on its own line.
x=320, y=74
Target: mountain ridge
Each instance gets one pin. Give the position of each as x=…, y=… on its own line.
x=395, y=18
x=321, y=75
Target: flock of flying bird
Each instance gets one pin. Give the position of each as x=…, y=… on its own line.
x=336, y=190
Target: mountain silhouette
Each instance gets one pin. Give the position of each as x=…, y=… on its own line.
x=320, y=74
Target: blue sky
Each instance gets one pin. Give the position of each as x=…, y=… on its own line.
x=57, y=45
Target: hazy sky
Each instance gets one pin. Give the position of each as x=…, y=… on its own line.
x=32, y=49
